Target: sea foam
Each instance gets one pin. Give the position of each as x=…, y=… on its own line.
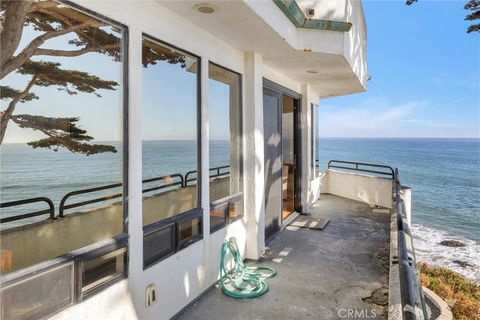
x=428, y=249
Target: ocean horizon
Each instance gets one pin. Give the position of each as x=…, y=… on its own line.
x=444, y=174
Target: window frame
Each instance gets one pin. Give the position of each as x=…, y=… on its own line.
x=231, y=199
x=193, y=213
x=96, y=249
x=315, y=160
x=312, y=140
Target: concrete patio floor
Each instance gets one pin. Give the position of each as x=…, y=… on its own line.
x=321, y=274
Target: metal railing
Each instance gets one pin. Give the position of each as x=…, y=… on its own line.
x=173, y=180
x=412, y=297
x=84, y=203
x=50, y=210
x=217, y=173
x=362, y=167
x=170, y=178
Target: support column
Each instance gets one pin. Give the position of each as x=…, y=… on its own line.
x=306, y=165
x=254, y=156
x=135, y=217
x=204, y=149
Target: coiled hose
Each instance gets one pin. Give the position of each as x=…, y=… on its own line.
x=243, y=282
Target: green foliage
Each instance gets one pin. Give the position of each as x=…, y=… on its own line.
x=472, y=5
x=90, y=36
x=85, y=148
x=10, y=93
x=462, y=295
x=61, y=132
x=72, y=81
x=152, y=53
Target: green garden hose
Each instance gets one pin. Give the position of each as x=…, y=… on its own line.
x=243, y=282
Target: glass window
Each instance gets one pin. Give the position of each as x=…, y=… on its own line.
x=170, y=84
x=104, y=269
x=225, y=125
x=61, y=132
x=316, y=141
x=169, y=129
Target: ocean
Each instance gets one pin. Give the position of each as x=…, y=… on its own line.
x=444, y=175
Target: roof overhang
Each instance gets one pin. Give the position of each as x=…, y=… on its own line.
x=332, y=62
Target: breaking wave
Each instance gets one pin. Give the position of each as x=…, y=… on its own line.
x=428, y=249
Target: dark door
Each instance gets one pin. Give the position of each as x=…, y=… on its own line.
x=272, y=108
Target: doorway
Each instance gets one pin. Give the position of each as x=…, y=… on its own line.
x=288, y=157
x=282, y=179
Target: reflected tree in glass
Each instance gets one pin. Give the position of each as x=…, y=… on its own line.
x=51, y=20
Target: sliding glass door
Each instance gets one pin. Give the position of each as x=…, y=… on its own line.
x=272, y=106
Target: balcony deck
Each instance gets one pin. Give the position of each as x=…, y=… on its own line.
x=320, y=273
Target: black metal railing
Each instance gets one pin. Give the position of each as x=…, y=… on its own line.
x=50, y=210
x=410, y=286
x=217, y=172
x=63, y=206
x=173, y=180
x=170, y=178
x=362, y=167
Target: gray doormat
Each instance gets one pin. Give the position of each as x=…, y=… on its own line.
x=310, y=222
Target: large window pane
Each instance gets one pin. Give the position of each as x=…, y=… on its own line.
x=225, y=125
x=61, y=132
x=170, y=144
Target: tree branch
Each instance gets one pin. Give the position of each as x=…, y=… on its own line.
x=74, y=53
x=57, y=16
x=29, y=50
x=7, y=114
x=68, y=142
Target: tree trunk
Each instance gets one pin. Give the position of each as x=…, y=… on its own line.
x=12, y=28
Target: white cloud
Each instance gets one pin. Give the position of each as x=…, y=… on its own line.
x=469, y=81
x=378, y=118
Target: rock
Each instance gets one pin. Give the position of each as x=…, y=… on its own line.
x=463, y=264
x=452, y=243
x=379, y=296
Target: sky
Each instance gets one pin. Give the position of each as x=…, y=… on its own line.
x=424, y=71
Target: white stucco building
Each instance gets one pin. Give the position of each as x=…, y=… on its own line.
x=278, y=59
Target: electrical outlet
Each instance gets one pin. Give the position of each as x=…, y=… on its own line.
x=150, y=295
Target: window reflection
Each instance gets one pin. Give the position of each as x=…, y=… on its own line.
x=170, y=150
x=225, y=125
x=169, y=129
x=60, y=131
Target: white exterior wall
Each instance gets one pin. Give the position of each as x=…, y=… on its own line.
x=354, y=42
x=182, y=277
x=179, y=278
x=360, y=187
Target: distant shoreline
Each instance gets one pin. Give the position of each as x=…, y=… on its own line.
x=321, y=138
